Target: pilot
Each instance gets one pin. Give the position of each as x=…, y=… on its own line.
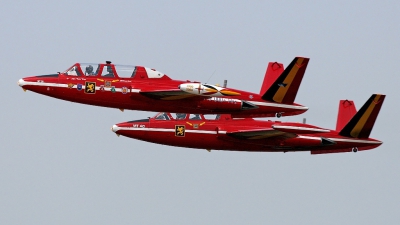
x=110, y=72
x=89, y=70
x=78, y=72
x=180, y=116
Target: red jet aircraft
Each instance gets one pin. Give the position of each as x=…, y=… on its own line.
x=246, y=134
x=141, y=88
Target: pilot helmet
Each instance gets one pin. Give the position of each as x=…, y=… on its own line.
x=89, y=69
x=109, y=69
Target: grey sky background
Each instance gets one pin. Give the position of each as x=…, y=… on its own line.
x=61, y=164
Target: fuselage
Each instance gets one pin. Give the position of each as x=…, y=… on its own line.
x=226, y=133
x=149, y=90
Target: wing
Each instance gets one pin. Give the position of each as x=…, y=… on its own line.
x=259, y=134
x=172, y=94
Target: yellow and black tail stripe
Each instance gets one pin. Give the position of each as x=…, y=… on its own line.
x=360, y=126
x=284, y=89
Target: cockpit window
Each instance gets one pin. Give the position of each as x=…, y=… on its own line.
x=83, y=69
x=105, y=70
x=133, y=73
x=90, y=71
x=74, y=71
x=108, y=71
x=162, y=116
x=179, y=116
x=194, y=117
x=212, y=116
x=124, y=71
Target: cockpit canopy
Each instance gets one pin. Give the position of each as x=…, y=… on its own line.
x=111, y=70
x=184, y=116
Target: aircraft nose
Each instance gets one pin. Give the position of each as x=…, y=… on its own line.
x=114, y=128
x=21, y=82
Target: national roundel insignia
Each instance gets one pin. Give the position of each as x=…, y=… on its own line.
x=90, y=87
x=180, y=130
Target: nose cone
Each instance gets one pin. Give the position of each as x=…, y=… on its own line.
x=21, y=82
x=28, y=81
x=182, y=87
x=133, y=129
x=40, y=83
x=115, y=128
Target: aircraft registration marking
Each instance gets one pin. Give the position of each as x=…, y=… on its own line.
x=228, y=100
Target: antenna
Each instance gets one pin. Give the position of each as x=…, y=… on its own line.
x=304, y=120
x=225, y=83
x=211, y=76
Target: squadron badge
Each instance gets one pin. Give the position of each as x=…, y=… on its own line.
x=180, y=130
x=90, y=87
x=107, y=84
x=124, y=90
x=79, y=87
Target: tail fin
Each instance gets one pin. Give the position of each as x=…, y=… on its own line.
x=361, y=124
x=274, y=69
x=347, y=110
x=284, y=89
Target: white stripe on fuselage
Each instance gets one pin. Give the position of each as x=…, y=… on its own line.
x=342, y=140
x=355, y=141
x=278, y=105
x=300, y=128
x=164, y=130
x=22, y=83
